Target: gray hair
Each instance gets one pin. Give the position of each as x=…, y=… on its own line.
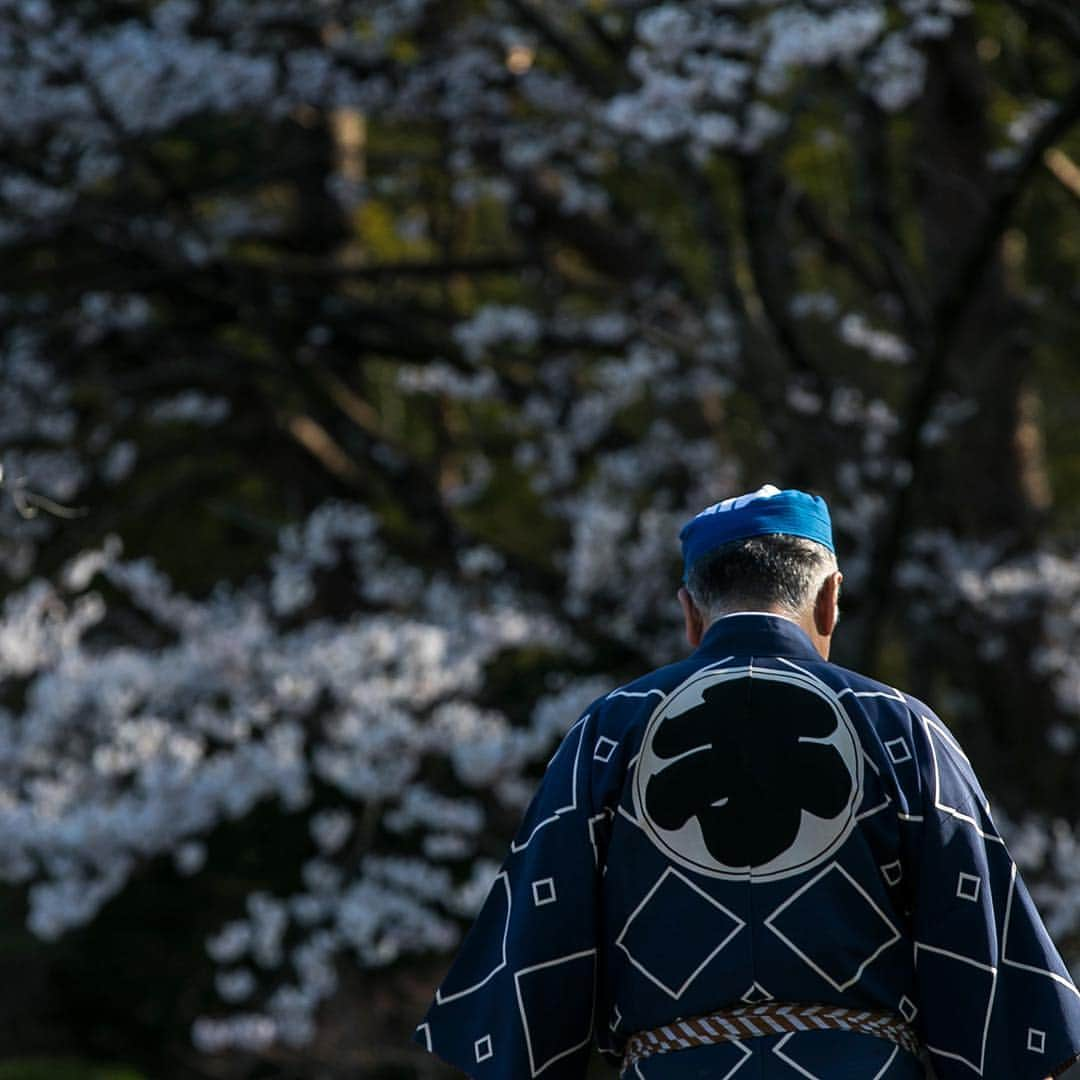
x=760, y=572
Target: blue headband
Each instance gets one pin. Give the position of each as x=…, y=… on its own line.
x=767, y=510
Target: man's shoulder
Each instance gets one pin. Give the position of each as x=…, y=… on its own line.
x=629, y=705
x=863, y=686
x=657, y=683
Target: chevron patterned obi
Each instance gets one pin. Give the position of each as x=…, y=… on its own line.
x=774, y=1018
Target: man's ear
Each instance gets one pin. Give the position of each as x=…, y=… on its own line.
x=826, y=611
x=695, y=624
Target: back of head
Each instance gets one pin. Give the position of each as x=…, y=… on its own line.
x=772, y=572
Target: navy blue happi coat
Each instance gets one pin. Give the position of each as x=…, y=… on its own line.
x=754, y=824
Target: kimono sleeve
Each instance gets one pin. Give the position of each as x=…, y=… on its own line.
x=518, y=1000
x=994, y=997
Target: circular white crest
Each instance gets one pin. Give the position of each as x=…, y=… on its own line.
x=749, y=774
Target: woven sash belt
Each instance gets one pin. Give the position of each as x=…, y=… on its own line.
x=775, y=1018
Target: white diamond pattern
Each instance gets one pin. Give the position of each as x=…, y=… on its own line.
x=676, y=991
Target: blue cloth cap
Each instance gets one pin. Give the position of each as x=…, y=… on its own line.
x=767, y=510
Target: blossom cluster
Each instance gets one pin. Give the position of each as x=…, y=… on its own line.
x=121, y=753
x=712, y=74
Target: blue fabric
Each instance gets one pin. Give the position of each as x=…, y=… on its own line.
x=753, y=823
x=767, y=510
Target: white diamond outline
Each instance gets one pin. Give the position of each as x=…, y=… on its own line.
x=899, y=872
x=834, y=865
x=534, y=1071
x=778, y=1051
x=1005, y=944
x=961, y=880
x=611, y=750
x=989, y=1005
x=903, y=1011
x=739, y=925
x=476, y=1048
x=952, y=811
x=572, y=805
x=806, y=680
x=746, y=1055
x=441, y=998
x=889, y=744
x=537, y=902
x=1041, y=1048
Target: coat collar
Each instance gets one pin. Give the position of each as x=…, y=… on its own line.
x=756, y=633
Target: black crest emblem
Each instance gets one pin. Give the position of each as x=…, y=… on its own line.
x=749, y=775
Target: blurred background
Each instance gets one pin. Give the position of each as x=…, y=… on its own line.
x=360, y=362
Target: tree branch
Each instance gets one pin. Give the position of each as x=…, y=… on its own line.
x=325, y=270
x=957, y=296
x=876, y=203
x=1064, y=170
x=949, y=312
x=763, y=194
x=837, y=246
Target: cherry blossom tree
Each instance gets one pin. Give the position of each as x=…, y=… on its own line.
x=363, y=358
